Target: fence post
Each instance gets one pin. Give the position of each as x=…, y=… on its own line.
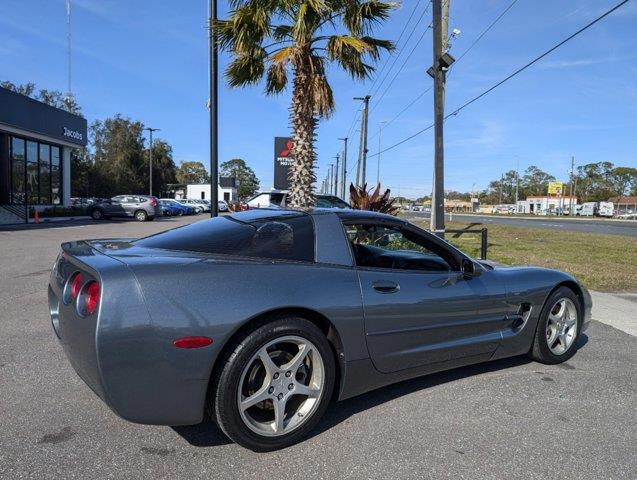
x=483, y=252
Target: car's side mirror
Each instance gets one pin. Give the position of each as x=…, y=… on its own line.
x=469, y=268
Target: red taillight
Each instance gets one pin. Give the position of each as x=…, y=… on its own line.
x=76, y=284
x=90, y=297
x=192, y=342
x=153, y=202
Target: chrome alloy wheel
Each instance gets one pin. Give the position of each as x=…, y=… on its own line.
x=281, y=386
x=561, y=326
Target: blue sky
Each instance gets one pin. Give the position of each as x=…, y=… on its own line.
x=148, y=60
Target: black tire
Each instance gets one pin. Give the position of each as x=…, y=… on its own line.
x=222, y=398
x=168, y=213
x=97, y=214
x=141, y=215
x=540, y=351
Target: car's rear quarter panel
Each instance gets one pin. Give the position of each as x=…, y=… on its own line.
x=215, y=298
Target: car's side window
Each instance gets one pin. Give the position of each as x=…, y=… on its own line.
x=382, y=246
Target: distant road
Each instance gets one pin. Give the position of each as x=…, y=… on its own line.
x=611, y=227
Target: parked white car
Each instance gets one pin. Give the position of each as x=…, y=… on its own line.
x=192, y=203
x=278, y=199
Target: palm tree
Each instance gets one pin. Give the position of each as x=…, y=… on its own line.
x=276, y=38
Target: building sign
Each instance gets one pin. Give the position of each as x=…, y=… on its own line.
x=283, y=159
x=74, y=134
x=556, y=188
x=23, y=115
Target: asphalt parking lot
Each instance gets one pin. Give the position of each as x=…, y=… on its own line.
x=506, y=419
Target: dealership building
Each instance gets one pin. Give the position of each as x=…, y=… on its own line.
x=35, y=154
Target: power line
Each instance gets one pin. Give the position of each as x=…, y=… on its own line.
x=380, y=72
x=401, y=50
x=401, y=68
x=486, y=30
x=473, y=44
x=506, y=79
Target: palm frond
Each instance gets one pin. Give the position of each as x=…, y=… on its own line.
x=360, y=17
x=245, y=70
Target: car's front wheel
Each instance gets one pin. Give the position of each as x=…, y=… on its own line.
x=274, y=385
x=558, y=328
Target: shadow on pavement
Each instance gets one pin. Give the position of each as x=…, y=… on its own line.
x=207, y=434
x=204, y=434
x=76, y=223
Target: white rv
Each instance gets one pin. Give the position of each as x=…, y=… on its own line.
x=588, y=209
x=605, y=209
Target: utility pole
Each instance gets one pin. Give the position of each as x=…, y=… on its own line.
x=362, y=153
x=330, y=178
x=571, y=190
x=214, y=111
x=150, y=153
x=440, y=65
x=336, y=173
x=344, y=177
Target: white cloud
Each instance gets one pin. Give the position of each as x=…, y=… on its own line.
x=582, y=62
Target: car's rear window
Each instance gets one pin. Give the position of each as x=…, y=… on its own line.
x=280, y=237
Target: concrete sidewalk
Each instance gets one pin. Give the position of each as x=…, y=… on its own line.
x=619, y=310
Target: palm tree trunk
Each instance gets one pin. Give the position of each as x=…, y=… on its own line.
x=302, y=176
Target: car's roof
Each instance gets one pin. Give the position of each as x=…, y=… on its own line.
x=343, y=213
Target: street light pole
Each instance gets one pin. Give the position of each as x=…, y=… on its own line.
x=150, y=158
x=214, y=111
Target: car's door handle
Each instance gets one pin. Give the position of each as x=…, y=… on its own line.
x=385, y=286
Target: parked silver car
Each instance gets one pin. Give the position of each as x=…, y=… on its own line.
x=139, y=207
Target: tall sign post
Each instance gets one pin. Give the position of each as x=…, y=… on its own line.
x=283, y=160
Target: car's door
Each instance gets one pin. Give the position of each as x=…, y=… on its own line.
x=114, y=207
x=419, y=307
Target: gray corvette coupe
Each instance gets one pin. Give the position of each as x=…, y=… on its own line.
x=261, y=318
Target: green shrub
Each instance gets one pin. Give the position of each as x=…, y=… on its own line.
x=58, y=212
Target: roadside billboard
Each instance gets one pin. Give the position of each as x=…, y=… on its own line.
x=283, y=159
x=556, y=188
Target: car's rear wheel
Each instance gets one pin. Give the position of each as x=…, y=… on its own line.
x=274, y=385
x=97, y=214
x=558, y=328
x=141, y=215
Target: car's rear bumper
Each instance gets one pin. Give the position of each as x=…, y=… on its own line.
x=120, y=355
